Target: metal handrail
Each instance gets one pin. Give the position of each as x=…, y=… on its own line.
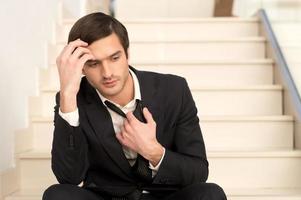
x=281, y=62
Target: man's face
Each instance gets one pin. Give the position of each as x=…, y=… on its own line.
x=109, y=72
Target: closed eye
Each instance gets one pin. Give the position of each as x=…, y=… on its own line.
x=91, y=63
x=115, y=58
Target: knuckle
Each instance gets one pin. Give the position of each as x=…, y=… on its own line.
x=154, y=124
x=127, y=127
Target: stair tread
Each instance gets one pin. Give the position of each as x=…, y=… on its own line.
x=204, y=62
x=206, y=118
x=193, y=41
x=230, y=192
x=45, y=154
x=181, y=20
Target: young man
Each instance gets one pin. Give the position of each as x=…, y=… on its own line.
x=123, y=133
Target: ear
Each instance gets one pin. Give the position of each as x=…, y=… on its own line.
x=83, y=71
x=128, y=52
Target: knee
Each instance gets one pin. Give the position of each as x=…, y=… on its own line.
x=54, y=192
x=215, y=192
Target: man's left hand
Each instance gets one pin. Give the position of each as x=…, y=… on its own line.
x=141, y=137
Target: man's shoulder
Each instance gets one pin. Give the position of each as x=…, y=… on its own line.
x=162, y=77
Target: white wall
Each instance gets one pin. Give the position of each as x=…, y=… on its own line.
x=26, y=27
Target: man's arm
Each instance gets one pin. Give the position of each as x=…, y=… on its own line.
x=69, y=147
x=186, y=163
x=69, y=150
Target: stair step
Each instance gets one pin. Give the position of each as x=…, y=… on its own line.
x=239, y=194
x=141, y=9
x=179, y=29
x=210, y=100
x=204, y=74
x=199, y=50
x=221, y=133
x=249, y=170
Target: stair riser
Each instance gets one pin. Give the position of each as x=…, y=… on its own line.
x=228, y=172
x=279, y=172
x=221, y=136
x=23, y=140
x=247, y=135
x=179, y=30
x=177, y=52
x=229, y=198
x=196, y=75
x=239, y=102
x=142, y=9
x=36, y=173
x=209, y=102
x=42, y=105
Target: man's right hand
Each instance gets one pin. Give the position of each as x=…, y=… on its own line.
x=70, y=64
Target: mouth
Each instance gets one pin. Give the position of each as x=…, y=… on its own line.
x=110, y=84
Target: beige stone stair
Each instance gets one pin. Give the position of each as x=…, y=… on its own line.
x=250, y=142
x=214, y=100
x=221, y=133
x=248, y=170
x=199, y=50
x=205, y=73
x=238, y=194
x=177, y=29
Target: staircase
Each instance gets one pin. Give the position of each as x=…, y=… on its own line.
x=250, y=143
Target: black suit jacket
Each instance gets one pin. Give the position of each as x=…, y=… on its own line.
x=92, y=154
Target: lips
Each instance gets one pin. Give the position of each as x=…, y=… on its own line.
x=110, y=83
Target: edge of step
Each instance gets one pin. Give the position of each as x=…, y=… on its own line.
x=277, y=118
x=172, y=20
x=45, y=154
x=260, y=192
x=203, y=62
x=205, y=40
x=49, y=89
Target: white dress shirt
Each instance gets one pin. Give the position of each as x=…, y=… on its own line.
x=73, y=119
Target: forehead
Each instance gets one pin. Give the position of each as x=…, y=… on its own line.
x=106, y=46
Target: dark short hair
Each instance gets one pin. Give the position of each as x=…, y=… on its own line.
x=95, y=26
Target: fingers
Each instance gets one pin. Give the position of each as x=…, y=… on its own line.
x=72, y=52
x=148, y=116
x=69, y=49
x=121, y=136
x=127, y=126
x=131, y=118
x=79, y=52
x=85, y=58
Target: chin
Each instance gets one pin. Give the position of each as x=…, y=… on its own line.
x=109, y=92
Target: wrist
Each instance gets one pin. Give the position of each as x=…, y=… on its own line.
x=68, y=102
x=155, y=155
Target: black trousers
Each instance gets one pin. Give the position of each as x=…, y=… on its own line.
x=198, y=191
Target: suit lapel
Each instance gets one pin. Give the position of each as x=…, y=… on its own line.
x=101, y=122
x=149, y=90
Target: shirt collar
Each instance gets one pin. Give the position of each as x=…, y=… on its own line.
x=137, y=94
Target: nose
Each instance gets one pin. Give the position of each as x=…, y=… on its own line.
x=106, y=70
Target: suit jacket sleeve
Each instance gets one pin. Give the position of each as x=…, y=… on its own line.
x=186, y=162
x=69, y=150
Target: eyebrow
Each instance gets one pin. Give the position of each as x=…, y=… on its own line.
x=99, y=61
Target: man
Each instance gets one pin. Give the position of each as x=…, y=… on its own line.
x=123, y=133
